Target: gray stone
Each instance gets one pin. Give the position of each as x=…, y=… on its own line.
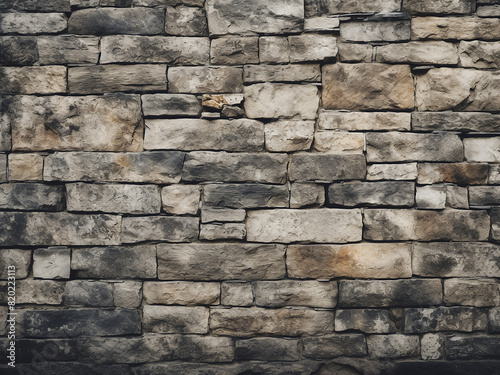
x=236, y=293
x=319, y=225
x=321, y=24
x=478, y=293
x=472, y=347
x=21, y=259
x=18, y=50
x=159, y=228
x=233, y=17
x=494, y=320
x=289, y=136
x=33, y=23
x=31, y=197
x=321, y=7
x=442, y=196
x=39, y=292
x=455, y=121
x=327, y=167
x=334, y=142
x=312, y=47
x=115, y=262
x=466, y=319
x=181, y=293
x=274, y=50
x=175, y=319
x=443, y=367
x=196, y=134
x=439, y=7
x=221, y=261
x=367, y=86
x=246, y=195
x=353, y=121
x=46, y=228
x=170, y=105
x=282, y=73
x=3, y=168
x=495, y=223
x=33, y=5
x=108, y=21
x=186, y=21
x=391, y=193
x=303, y=194
x=154, y=49
x=181, y=199
x=484, y=195
x=211, y=214
x=366, y=320
x=375, y=31
x=80, y=322
x=395, y=146
x=295, y=293
x=488, y=11
x=234, y=51
x=441, y=53
x=88, y=293
x=390, y=293
x=68, y=49
x=71, y=123
x=244, y=322
x=335, y=345
x=393, y=346
x=456, y=259
x=352, y=52
x=25, y=167
x=111, y=78
x=232, y=111
x=363, y=260
x=33, y=80
x=431, y=346
x=52, y=263
x=267, y=349
x=235, y=167
x=478, y=54
x=149, y=167
x=205, y=79
x=113, y=198
x=458, y=28
x=273, y=100
x=482, y=149
x=127, y=294
x=406, y=171
x=223, y=231
x=456, y=173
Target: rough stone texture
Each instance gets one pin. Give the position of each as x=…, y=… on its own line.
x=32, y=5
x=25, y=167
x=33, y=79
x=478, y=293
x=88, y=293
x=223, y=231
x=455, y=121
x=206, y=79
x=456, y=173
x=337, y=142
x=159, y=228
x=321, y=24
x=234, y=51
x=441, y=196
x=484, y=195
x=406, y=171
x=368, y=321
x=3, y=168
x=495, y=223
x=439, y=7
x=482, y=149
x=21, y=259
x=480, y=347
x=68, y=49
x=372, y=194
x=489, y=11
x=18, y=50
x=288, y=135
x=494, y=320
x=319, y=7
x=154, y=105
x=305, y=194
x=478, y=54
x=180, y=199
x=388, y=31
x=186, y=21
x=352, y=52
x=353, y=121
x=182, y=293
x=467, y=319
x=282, y=73
x=52, y=263
x=236, y=293
x=127, y=294
x=312, y=47
x=367, y=86
x=267, y=349
x=32, y=23
x=175, y=319
x=31, y=197
x=246, y=195
x=418, y=53
x=39, y=292
x=449, y=28
x=336, y=345
x=327, y=167
x=274, y=50
x=431, y=346
x=393, y=346
x=211, y=214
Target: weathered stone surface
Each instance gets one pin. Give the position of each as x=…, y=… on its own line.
x=320, y=225
x=243, y=322
x=441, y=53
x=331, y=346
x=479, y=54
x=455, y=121
x=88, y=293
x=367, y=320
x=327, y=167
x=52, y=263
x=111, y=78
x=221, y=261
x=457, y=89
x=170, y=105
x=406, y=171
x=21, y=259
x=461, y=28
x=223, y=231
x=442, y=367
x=352, y=52
x=353, y=121
x=107, y=21
x=321, y=24
x=365, y=260
x=24, y=167
x=68, y=49
x=469, y=347
x=484, y=195
x=495, y=223
x=367, y=86
x=235, y=167
x=482, y=149
x=306, y=194
x=153, y=167
x=456, y=259
x=232, y=17
x=236, y=293
x=312, y=47
x=432, y=346
x=488, y=11
x=439, y=7
x=159, y=228
x=289, y=136
x=181, y=293
x=395, y=146
x=205, y=79
x=246, y=195
x=282, y=73
x=274, y=50
x=232, y=111
x=442, y=196
x=80, y=322
x=273, y=100
x=33, y=80
x=39, y=292
x=393, y=193
x=18, y=50
x=31, y=197
x=196, y=134
x=3, y=168
x=478, y=293
x=320, y=7
x=267, y=349
x=154, y=49
x=186, y=21
x=127, y=294
x=494, y=320
x=181, y=199
x=337, y=142
x=33, y=5
x=71, y=123
x=375, y=31
x=393, y=346
x=46, y=228
x=211, y=214
x=456, y=173
x=234, y=51
x=467, y=319
x=33, y=23
x=46, y=348
x=175, y=319
x=115, y=262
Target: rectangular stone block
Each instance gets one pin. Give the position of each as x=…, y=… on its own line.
x=442, y=196
x=364, y=260
x=211, y=214
x=465, y=319
x=170, y=105
x=68, y=49
x=205, y=79
x=393, y=346
x=457, y=173
x=52, y=263
x=33, y=80
x=175, y=319
x=186, y=21
x=312, y=47
x=289, y=136
x=455, y=121
x=441, y=53
x=115, y=262
x=47, y=228
x=235, y=167
x=479, y=54
x=154, y=49
x=18, y=50
x=327, y=167
x=198, y=134
x=181, y=199
x=234, y=51
x=482, y=149
x=31, y=197
x=33, y=5
x=267, y=349
x=221, y=261
x=494, y=320
x=335, y=345
x=319, y=225
x=3, y=168
x=110, y=78
x=354, y=52
x=441, y=367
x=21, y=259
x=333, y=142
x=244, y=322
x=181, y=293
x=439, y=7
x=39, y=292
x=353, y=194
x=246, y=195
x=149, y=167
x=472, y=347
x=354, y=121
x=88, y=293
x=159, y=228
x=33, y=23
x=223, y=231
x=65, y=123
x=364, y=320
x=375, y=31
x=456, y=260
x=454, y=28
x=321, y=7
x=367, y=86
x=478, y=293
x=282, y=73
x=404, y=171
x=495, y=223
x=274, y=50
x=484, y=195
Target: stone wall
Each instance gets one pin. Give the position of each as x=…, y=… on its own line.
x=251, y=186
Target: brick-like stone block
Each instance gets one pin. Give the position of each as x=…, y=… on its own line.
x=18, y=50
x=455, y=121
x=32, y=197
x=397, y=193
x=237, y=293
x=186, y=21
x=320, y=7
x=354, y=121
x=461, y=28
x=327, y=167
x=181, y=293
x=282, y=73
x=88, y=293
x=467, y=319
x=68, y=49
x=457, y=173
x=159, y=228
x=39, y=292
x=479, y=54
x=312, y=47
x=25, y=167
x=441, y=53
x=364, y=320
x=182, y=105
x=175, y=319
x=246, y=195
x=393, y=346
x=52, y=263
x=335, y=345
x=482, y=149
x=33, y=23
x=477, y=292
x=205, y=79
x=267, y=349
x=286, y=136
x=375, y=31
x=234, y=51
x=468, y=347
x=33, y=80
x=181, y=199
x=21, y=259
x=439, y=7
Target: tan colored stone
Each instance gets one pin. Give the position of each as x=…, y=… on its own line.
x=405, y=171
x=461, y=28
x=353, y=121
x=282, y=73
x=336, y=142
x=234, y=51
x=456, y=173
x=352, y=52
x=441, y=53
x=181, y=293
x=39, y=292
x=274, y=50
x=288, y=135
x=312, y=47
x=236, y=293
x=52, y=263
x=205, y=79
x=33, y=80
x=181, y=199
x=479, y=54
x=25, y=167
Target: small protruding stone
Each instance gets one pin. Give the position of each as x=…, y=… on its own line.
x=367, y=320
x=223, y=231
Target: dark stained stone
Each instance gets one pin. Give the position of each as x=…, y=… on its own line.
x=467, y=319
x=88, y=293
x=394, y=193
x=327, y=167
x=456, y=173
x=315, y=8
x=21, y=259
x=246, y=195
x=455, y=121
x=170, y=105
x=367, y=320
x=159, y=228
x=73, y=368
x=336, y=345
x=68, y=49
x=439, y=7
x=53, y=349
x=18, y=50
x=32, y=197
x=267, y=349
x=36, y=5
x=186, y=21
x=444, y=367
x=484, y=195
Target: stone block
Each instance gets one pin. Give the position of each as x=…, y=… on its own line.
x=495, y=223
x=267, y=349
x=31, y=197
x=458, y=28
x=353, y=52
x=33, y=23
x=321, y=24
x=181, y=105
x=393, y=346
x=205, y=79
x=312, y=47
x=186, y=21
x=18, y=50
x=234, y=51
x=39, y=292
x=25, y=167
x=479, y=54
x=33, y=5
x=488, y=10
x=432, y=346
x=274, y=50
x=482, y=149
x=52, y=263
x=159, y=228
x=439, y=7
x=320, y=7
x=33, y=80
x=245, y=195
x=465, y=319
x=457, y=173
x=375, y=31
x=180, y=199
x=289, y=135
x=455, y=121
x=175, y=319
x=334, y=142
x=127, y=294
x=398, y=172
x=223, y=231
x=442, y=196
x=354, y=121
x=21, y=259
x=327, y=167
x=184, y=293
x=352, y=194
x=282, y=73
x=68, y=49
x=478, y=292
x=88, y=293
x=440, y=53
x=365, y=320
x=303, y=194
x=472, y=347
x=335, y=345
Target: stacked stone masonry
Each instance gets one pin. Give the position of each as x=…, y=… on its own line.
x=230, y=187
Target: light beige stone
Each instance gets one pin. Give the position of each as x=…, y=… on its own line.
x=25, y=167
x=223, y=231
x=354, y=121
x=210, y=214
x=337, y=142
x=52, y=263
x=479, y=54
x=282, y=73
x=33, y=23
x=21, y=259
x=441, y=53
x=458, y=28
x=205, y=79
x=375, y=31
x=181, y=293
x=441, y=196
x=234, y=51
x=39, y=292
x=482, y=149
x=274, y=50
x=237, y=293
x=304, y=194
x=432, y=346
x=181, y=199
x=312, y=47
x=405, y=171
x=393, y=346
x=288, y=135
x=33, y=80
x=353, y=52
